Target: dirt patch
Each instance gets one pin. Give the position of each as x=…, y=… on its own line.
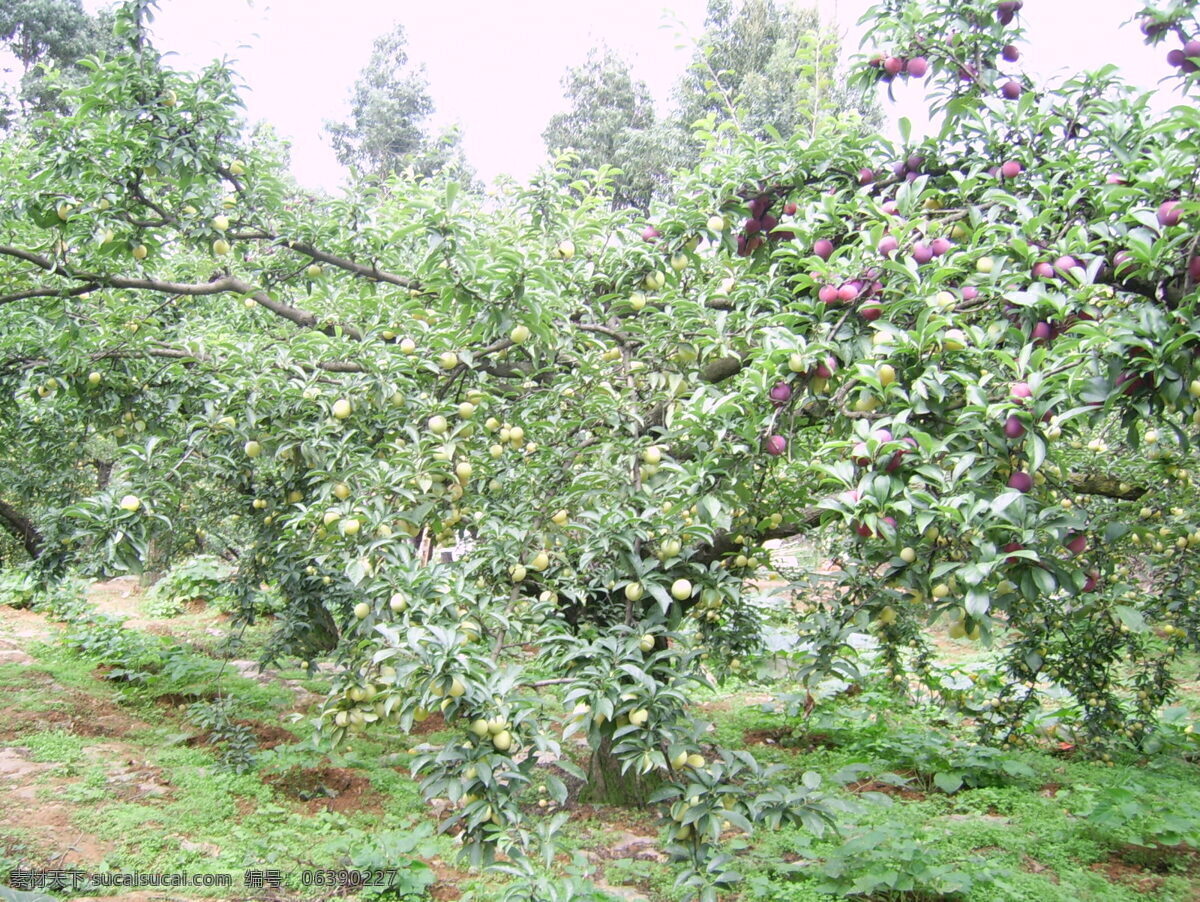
x=749, y=700
x=1161, y=859
x=1117, y=870
x=73, y=711
x=784, y=738
x=431, y=724
x=330, y=788
x=1036, y=867
x=269, y=735
x=266, y=735
x=448, y=880
x=614, y=818
x=17, y=723
x=27, y=798
x=891, y=789
x=177, y=700
x=20, y=628
x=120, y=597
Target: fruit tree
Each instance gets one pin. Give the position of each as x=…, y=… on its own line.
x=513, y=459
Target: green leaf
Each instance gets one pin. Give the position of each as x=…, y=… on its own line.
x=1131, y=618
x=948, y=781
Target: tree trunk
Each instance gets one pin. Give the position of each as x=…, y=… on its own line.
x=153, y=566
x=606, y=785
x=21, y=527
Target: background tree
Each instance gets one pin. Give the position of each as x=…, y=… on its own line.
x=762, y=68
x=389, y=108
x=54, y=33
x=767, y=68
x=611, y=122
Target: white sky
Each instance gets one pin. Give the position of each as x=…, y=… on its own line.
x=495, y=66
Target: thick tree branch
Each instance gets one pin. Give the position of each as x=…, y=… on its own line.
x=1094, y=484
x=46, y=293
x=721, y=369
x=614, y=334
x=226, y=284
x=24, y=530
x=372, y=272
x=724, y=545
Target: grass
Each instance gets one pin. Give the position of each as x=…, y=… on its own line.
x=1036, y=823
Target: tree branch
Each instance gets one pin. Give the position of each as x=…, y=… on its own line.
x=1107, y=486
x=721, y=369
x=46, y=293
x=372, y=272
x=724, y=545
x=24, y=530
x=302, y=318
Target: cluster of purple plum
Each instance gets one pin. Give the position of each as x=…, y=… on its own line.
x=1008, y=170
x=861, y=452
x=1006, y=10
x=761, y=225
x=779, y=395
x=879, y=446
x=908, y=169
x=891, y=66
x=1185, y=58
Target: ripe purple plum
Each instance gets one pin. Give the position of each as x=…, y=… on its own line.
x=1021, y=481
x=1169, y=213
x=1006, y=10
x=1064, y=264
x=780, y=393
x=848, y=291
x=827, y=368
x=1122, y=264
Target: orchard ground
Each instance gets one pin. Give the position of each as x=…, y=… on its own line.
x=96, y=773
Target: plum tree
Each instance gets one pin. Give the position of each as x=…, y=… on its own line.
x=942, y=408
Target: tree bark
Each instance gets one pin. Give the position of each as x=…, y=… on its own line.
x=606, y=785
x=24, y=530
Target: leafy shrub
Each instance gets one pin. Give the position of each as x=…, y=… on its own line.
x=1130, y=815
x=204, y=576
x=394, y=858
x=883, y=862
x=17, y=588
x=235, y=741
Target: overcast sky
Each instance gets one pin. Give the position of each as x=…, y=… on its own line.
x=495, y=66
